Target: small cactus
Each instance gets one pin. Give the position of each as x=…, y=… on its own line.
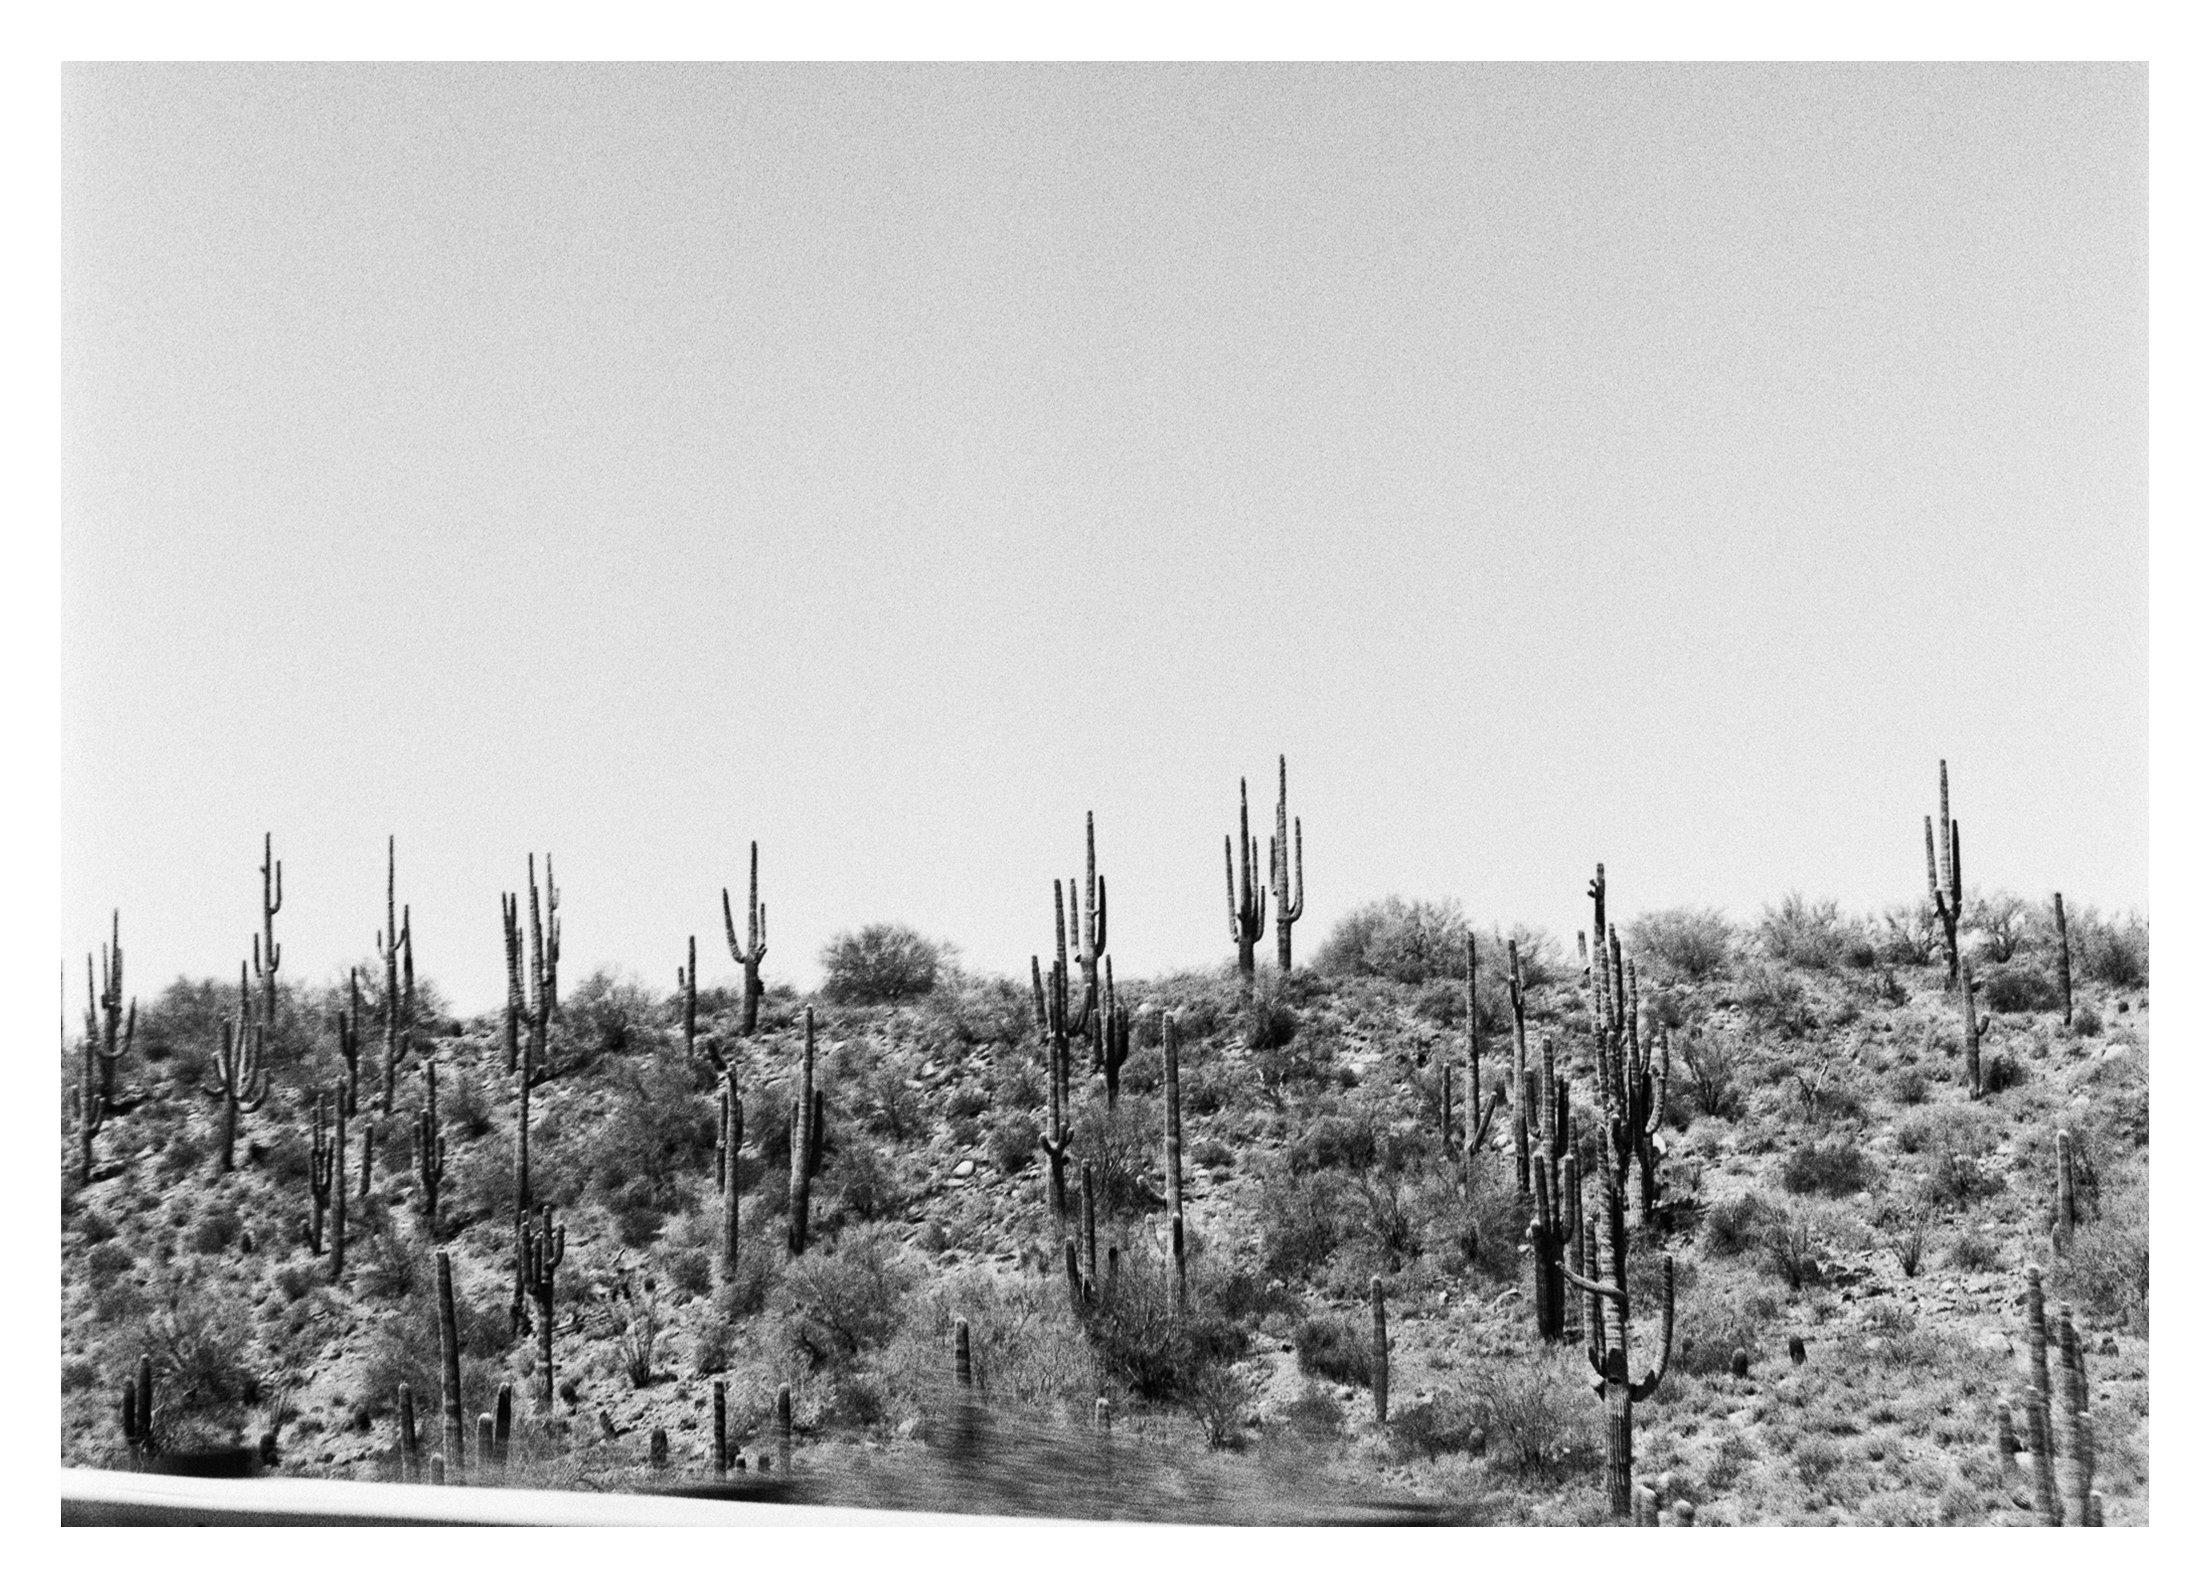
x=1380, y=1350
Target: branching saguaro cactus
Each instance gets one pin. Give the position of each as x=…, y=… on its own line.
x=448, y=1345
x=808, y=1140
x=1059, y=1026
x=529, y=1014
x=1247, y=908
x=2064, y=963
x=1380, y=1350
x=429, y=1148
x=1084, y=1285
x=1086, y=937
x=1945, y=874
x=1170, y=1035
x=1480, y=1111
x=396, y=943
x=110, y=1034
x=732, y=1142
x=1975, y=1027
x=241, y=1086
x=321, y=1160
x=1609, y=1341
x=272, y=900
x=2073, y=1475
x=540, y=1251
x=755, y=941
x=1634, y=1068
x=1288, y=908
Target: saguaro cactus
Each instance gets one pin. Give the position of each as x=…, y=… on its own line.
x=349, y=1046
x=686, y=986
x=502, y=1427
x=721, y=1427
x=1246, y=909
x=410, y=1441
x=429, y=1148
x=448, y=1342
x=732, y=1142
x=808, y=1130
x=241, y=1086
x=110, y=1035
x=1634, y=1073
x=2073, y=1475
x=1520, y=1123
x=2067, y=1194
x=1114, y=1028
x=138, y=1410
x=321, y=1159
x=782, y=1427
x=1171, y=1038
x=1975, y=1027
x=1058, y=1026
x=530, y=1010
x=1380, y=1351
x=1608, y=1344
x=272, y=900
x=1480, y=1112
x=755, y=942
x=540, y=1252
x=2064, y=963
x=396, y=944
x=1288, y=909
x=1945, y=874
x=1086, y=938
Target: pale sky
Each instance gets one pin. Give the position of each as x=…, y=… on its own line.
x=1665, y=466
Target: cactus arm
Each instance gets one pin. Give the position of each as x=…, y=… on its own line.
x=1594, y=1287
x=729, y=928
x=1656, y=1376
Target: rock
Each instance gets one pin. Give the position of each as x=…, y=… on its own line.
x=1796, y=1352
x=1994, y=1341
x=960, y=1170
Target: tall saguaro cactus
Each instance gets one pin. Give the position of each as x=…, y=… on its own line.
x=1975, y=1027
x=2064, y=963
x=686, y=984
x=1609, y=1341
x=448, y=1341
x=539, y=1253
x=1634, y=1069
x=1520, y=1123
x=1058, y=1026
x=1086, y=936
x=2073, y=1475
x=241, y=1086
x=321, y=1160
x=272, y=900
x=1288, y=909
x=1115, y=1025
x=808, y=1138
x=1945, y=874
x=1480, y=1110
x=110, y=1035
x=1379, y=1355
x=1170, y=1034
x=1247, y=908
x=732, y=1141
x=396, y=944
x=755, y=942
x=529, y=1012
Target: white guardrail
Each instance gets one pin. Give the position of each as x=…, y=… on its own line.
x=92, y=1497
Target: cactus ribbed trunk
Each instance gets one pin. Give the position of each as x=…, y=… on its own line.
x=448, y=1342
x=1520, y=1143
x=1380, y=1350
x=732, y=1141
x=803, y=1147
x=337, y=1200
x=1171, y=1037
x=1247, y=904
x=1289, y=907
x=2064, y=963
x=754, y=948
x=410, y=1441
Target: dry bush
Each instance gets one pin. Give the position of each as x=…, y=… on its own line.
x=1691, y=943
x=1811, y=934
x=2105, y=1269
x=881, y=964
x=1537, y=1411
x=1409, y=941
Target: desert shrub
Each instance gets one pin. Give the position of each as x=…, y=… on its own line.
x=185, y=1151
x=1336, y=1349
x=1012, y=1141
x=881, y=964
x=1974, y=1253
x=1030, y=1354
x=1959, y=1180
x=1829, y=1171
x=106, y=1262
x=1774, y=999
x=2086, y=1022
x=1710, y=1074
x=1315, y=1416
x=463, y=1106
x=2019, y=989
x=1910, y=934
x=1301, y=1220
x=2000, y=1070
x=1148, y=1346
x=630, y=1314
x=184, y=1024
x=962, y=1012
x=216, y=1229
x=1212, y=1153
x=2114, y=951
x=1445, y=1424
x=1218, y=1394
x=1944, y=1129
x=1441, y=1003
x=201, y=1360
x=1712, y=1322
x=1909, y=1086
x=888, y=1103
x=1737, y=1225
x=1902, y=1233
x=1017, y=1083
x=654, y=1134
x=1537, y=1411
x=1690, y=942
x=1409, y=941
x=688, y=1245
x=1267, y=1022
x=613, y=1014
x=846, y=1301
x=2106, y=1266
x=2001, y=919
x=1305, y=1061
x=1803, y=932
x=1796, y=1245
x=968, y=1102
